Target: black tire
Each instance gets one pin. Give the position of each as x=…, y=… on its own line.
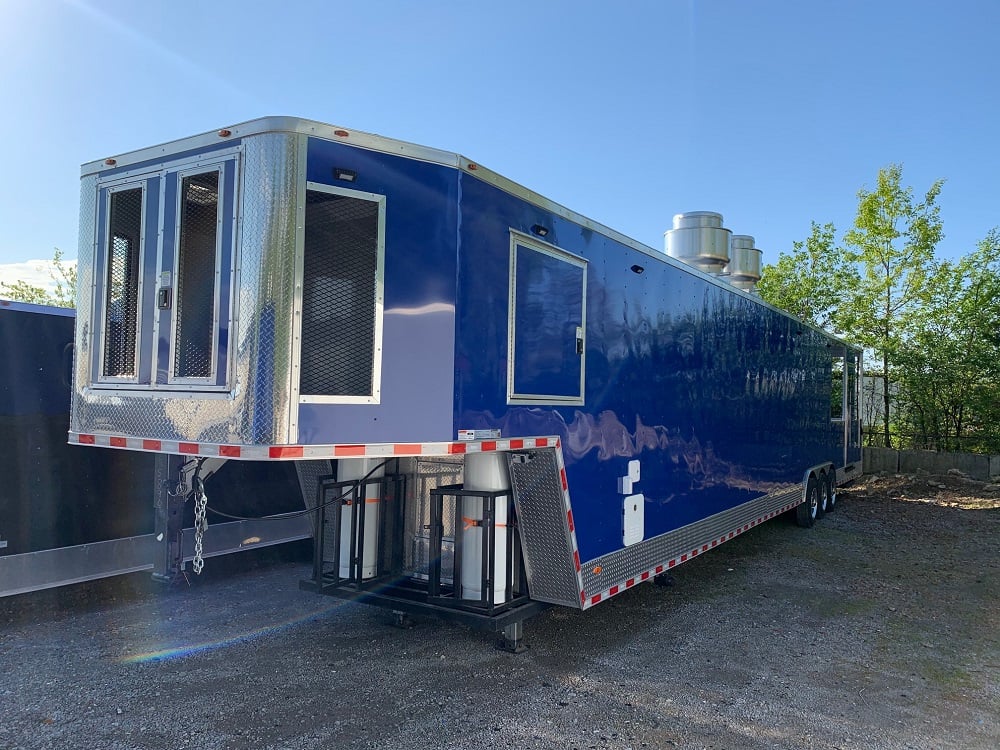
x=805, y=513
x=821, y=496
x=830, y=490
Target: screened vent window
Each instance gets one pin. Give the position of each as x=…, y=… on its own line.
x=837, y=388
x=196, y=276
x=340, y=298
x=548, y=293
x=122, y=284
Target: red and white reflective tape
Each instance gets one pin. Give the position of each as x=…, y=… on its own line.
x=590, y=601
x=308, y=452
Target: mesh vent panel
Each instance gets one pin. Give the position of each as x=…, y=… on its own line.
x=196, y=280
x=122, y=284
x=338, y=301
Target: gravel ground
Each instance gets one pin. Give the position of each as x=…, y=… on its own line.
x=878, y=628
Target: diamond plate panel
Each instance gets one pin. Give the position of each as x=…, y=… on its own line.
x=265, y=298
x=84, y=295
x=309, y=473
x=545, y=534
x=633, y=560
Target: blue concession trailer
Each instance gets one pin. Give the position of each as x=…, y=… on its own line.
x=494, y=403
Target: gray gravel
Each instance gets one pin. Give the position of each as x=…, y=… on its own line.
x=876, y=629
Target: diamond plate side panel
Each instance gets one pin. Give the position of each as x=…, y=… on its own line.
x=265, y=299
x=632, y=561
x=84, y=295
x=258, y=409
x=309, y=473
x=545, y=535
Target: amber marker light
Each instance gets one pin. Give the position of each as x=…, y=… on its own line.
x=225, y=133
x=341, y=133
x=597, y=570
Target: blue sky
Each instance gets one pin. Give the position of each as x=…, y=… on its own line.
x=772, y=112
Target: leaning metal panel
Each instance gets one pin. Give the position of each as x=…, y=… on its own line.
x=632, y=561
x=257, y=412
x=544, y=527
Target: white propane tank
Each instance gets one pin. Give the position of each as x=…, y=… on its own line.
x=486, y=472
x=347, y=470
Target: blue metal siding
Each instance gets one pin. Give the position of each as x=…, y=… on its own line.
x=720, y=398
x=419, y=319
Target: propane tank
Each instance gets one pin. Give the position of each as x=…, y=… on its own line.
x=485, y=472
x=352, y=469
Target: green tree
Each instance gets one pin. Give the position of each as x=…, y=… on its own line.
x=807, y=282
x=892, y=247
x=63, y=294
x=949, y=366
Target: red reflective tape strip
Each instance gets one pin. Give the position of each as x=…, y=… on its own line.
x=569, y=517
x=117, y=442
x=407, y=449
x=614, y=590
x=645, y=576
x=349, y=450
x=285, y=451
x=659, y=569
x=191, y=448
x=576, y=559
x=152, y=445
x=595, y=598
x=541, y=443
x=456, y=448
x=704, y=548
x=230, y=451
x=562, y=476
x=87, y=439
x=583, y=597
x=630, y=583
x=489, y=445
x=516, y=444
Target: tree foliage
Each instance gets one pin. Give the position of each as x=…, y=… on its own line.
x=930, y=329
x=61, y=294
x=892, y=247
x=806, y=282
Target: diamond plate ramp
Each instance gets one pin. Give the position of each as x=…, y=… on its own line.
x=546, y=539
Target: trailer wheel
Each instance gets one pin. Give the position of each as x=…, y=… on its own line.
x=805, y=513
x=830, y=490
x=821, y=506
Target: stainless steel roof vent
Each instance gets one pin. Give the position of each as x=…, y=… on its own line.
x=743, y=271
x=699, y=239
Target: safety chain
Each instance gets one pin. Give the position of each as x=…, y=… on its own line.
x=200, y=527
